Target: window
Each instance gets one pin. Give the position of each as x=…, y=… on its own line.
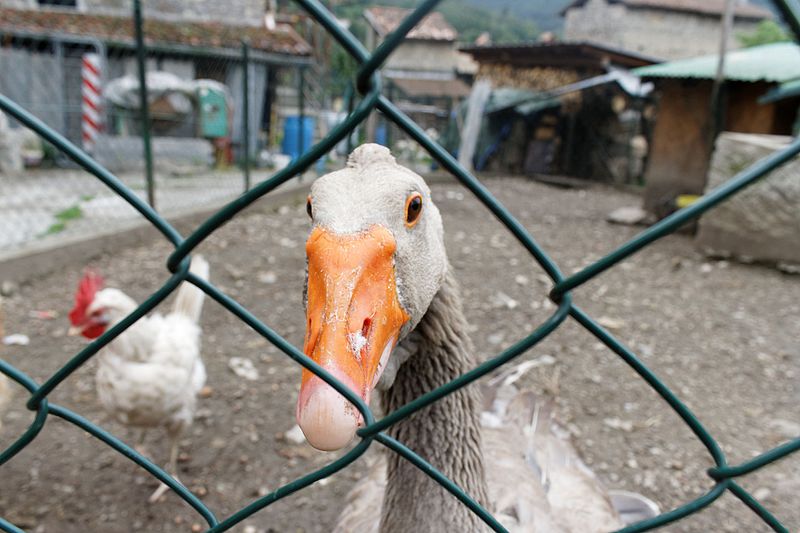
x=60, y=3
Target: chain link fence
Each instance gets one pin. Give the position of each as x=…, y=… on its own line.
x=368, y=84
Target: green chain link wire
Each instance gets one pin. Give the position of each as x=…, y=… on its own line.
x=368, y=84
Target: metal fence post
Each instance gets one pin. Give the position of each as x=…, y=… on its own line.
x=387, y=123
x=349, y=95
x=145, y=109
x=301, y=104
x=246, y=112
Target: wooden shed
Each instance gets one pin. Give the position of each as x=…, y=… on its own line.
x=588, y=133
x=683, y=136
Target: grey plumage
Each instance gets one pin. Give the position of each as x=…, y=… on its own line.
x=533, y=479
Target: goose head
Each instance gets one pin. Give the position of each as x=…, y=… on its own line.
x=375, y=260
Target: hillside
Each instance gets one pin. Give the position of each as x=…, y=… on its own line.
x=469, y=20
x=544, y=13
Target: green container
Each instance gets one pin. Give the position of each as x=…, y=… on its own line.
x=213, y=114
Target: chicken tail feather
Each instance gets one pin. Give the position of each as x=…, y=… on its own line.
x=189, y=301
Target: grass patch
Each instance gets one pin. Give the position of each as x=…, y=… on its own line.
x=72, y=212
x=54, y=228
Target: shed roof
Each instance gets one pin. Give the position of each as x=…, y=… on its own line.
x=789, y=89
x=583, y=54
x=700, y=7
x=776, y=62
x=433, y=27
x=110, y=28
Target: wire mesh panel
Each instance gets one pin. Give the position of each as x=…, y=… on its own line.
x=368, y=83
x=87, y=90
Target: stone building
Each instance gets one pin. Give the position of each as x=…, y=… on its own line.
x=667, y=29
x=426, y=73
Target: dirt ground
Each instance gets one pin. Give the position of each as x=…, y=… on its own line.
x=724, y=336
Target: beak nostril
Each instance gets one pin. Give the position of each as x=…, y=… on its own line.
x=365, y=329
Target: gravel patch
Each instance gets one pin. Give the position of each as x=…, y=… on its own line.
x=723, y=336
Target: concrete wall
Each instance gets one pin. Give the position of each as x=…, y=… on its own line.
x=762, y=222
x=434, y=56
x=656, y=32
x=124, y=154
x=18, y=4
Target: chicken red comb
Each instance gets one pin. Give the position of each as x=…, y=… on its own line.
x=90, y=283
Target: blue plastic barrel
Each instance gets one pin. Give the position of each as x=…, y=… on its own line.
x=291, y=141
x=381, y=135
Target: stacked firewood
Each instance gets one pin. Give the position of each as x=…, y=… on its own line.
x=540, y=79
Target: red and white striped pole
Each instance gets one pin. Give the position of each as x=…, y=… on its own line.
x=91, y=116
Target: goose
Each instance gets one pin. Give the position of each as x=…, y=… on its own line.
x=384, y=314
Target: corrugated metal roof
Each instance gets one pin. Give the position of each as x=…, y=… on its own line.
x=283, y=39
x=777, y=62
x=566, y=54
x=790, y=89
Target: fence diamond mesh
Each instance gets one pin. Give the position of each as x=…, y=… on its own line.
x=368, y=83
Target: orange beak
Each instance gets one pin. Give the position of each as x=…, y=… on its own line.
x=354, y=319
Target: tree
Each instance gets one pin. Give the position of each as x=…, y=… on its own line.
x=767, y=31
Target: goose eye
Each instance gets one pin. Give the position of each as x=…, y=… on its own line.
x=308, y=208
x=413, y=209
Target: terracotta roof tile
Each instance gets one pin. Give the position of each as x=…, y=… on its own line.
x=284, y=39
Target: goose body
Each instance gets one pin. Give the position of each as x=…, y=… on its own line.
x=384, y=313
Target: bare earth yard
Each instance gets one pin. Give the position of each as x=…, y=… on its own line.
x=724, y=336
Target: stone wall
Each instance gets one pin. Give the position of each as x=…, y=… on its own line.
x=170, y=154
x=655, y=32
x=762, y=222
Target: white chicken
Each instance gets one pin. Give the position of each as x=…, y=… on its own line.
x=5, y=396
x=151, y=374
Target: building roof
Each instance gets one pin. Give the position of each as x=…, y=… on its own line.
x=557, y=54
x=454, y=88
x=789, y=89
x=700, y=7
x=116, y=29
x=433, y=27
x=777, y=62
